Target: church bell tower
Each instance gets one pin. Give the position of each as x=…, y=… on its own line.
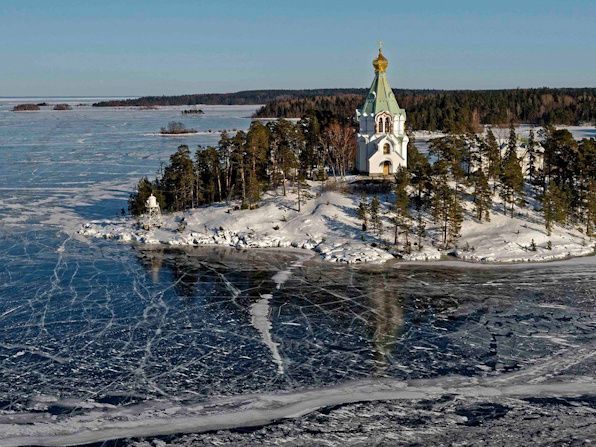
x=382, y=141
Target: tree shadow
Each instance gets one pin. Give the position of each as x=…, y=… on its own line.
x=353, y=232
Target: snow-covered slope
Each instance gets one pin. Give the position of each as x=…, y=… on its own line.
x=327, y=223
x=504, y=239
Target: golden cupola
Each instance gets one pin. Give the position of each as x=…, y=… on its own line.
x=380, y=63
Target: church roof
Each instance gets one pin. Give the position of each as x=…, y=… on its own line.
x=380, y=97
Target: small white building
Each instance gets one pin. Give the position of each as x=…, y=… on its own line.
x=382, y=141
x=152, y=217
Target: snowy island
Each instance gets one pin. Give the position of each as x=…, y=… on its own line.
x=176, y=128
x=328, y=223
x=361, y=190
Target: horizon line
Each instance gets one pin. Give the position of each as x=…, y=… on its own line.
x=289, y=90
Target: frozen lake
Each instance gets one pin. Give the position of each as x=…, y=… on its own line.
x=103, y=341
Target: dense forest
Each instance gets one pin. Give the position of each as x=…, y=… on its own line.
x=457, y=111
x=238, y=98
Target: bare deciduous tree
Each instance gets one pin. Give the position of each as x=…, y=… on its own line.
x=340, y=148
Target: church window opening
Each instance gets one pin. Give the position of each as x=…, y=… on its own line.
x=386, y=149
x=383, y=124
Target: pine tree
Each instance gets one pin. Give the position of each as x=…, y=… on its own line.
x=482, y=196
x=202, y=174
x=407, y=228
x=493, y=157
x=299, y=180
x=447, y=210
x=362, y=212
x=512, y=178
x=532, y=156
x=375, y=216
x=477, y=148
x=179, y=180
x=286, y=141
x=420, y=229
x=449, y=152
x=591, y=209
x=420, y=171
x=208, y=183
x=456, y=217
x=256, y=149
x=512, y=142
x=238, y=164
x=402, y=201
x=583, y=194
x=440, y=204
x=312, y=156
x=253, y=191
x=555, y=206
x=225, y=148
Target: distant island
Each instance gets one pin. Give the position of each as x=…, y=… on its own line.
x=193, y=112
x=62, y=107
x=176, y=128
x=25, y=108
x=247, y=97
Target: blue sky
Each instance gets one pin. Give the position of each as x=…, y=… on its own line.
x=130, y=47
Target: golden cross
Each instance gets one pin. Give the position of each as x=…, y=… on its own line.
x=380, y=45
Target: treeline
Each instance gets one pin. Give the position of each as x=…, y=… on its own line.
x=245, y=164
x=456, y=111
x=470, y=165
x=339, y=107
x=447, y=110
x=237, y=98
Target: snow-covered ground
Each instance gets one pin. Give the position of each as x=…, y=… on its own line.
x=506, y=239
x=328, y=224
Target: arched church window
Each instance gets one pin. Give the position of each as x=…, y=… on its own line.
x=386, y=149
x=387, y=125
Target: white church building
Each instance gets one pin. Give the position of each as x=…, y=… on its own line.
x=382, y=141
